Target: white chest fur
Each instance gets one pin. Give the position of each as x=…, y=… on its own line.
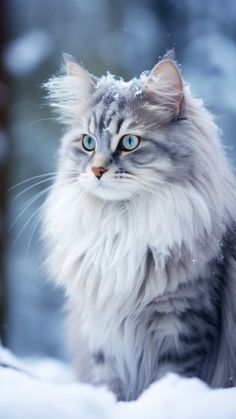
x=98, y=249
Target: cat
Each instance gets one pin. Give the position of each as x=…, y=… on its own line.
x=139, y=229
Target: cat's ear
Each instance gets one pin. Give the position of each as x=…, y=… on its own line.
x=75, y=70
x=164, y=86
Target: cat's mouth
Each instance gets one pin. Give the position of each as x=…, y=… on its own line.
x=107, y=187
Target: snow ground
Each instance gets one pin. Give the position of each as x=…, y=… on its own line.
x=47, y=389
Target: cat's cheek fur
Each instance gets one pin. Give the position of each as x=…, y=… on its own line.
x=107, y=188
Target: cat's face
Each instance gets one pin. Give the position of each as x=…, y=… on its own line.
x=127, y=137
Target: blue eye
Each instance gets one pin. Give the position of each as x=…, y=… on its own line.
x=88, y=142
x=129, y=142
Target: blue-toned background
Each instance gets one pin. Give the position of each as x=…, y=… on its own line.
x=125, y=38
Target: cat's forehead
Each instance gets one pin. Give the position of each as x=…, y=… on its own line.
x=113, y=102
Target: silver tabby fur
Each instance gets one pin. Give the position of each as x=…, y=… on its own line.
x=146, y=253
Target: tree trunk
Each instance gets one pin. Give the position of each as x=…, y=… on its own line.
x=4, y=146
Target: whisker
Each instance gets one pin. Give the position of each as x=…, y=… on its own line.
x=28, y=204
x=32, y=186
x=38, y=220
x=24, y=227
x=29, y=180
x=31, y=201
x=36, y=211
x=40, y=120
x=50, y=174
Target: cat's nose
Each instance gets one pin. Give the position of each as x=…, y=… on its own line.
x=98, y=171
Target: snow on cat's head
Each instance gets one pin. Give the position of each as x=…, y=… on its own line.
x=124, y=139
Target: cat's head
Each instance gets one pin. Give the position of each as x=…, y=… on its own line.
x=124, y=138
x=148, y=141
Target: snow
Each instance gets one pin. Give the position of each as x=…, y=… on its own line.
x=116, y=86
x=47, y=389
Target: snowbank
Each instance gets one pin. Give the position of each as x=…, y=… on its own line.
x=46, y=389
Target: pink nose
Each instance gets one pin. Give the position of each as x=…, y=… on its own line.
x=98, y=171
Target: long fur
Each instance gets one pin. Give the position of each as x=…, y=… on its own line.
x=148, y=258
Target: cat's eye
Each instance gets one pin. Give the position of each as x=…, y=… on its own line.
x=129, y=142
x=88, y=142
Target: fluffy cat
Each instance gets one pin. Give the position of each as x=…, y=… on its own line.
x=140, y=230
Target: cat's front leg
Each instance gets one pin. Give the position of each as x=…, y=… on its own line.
x=105, y=374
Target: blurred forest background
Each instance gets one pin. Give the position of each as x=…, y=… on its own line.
x=124, y=37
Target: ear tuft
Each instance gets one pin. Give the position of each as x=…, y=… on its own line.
x=169, y=55
x=70, y=93
x=166, y=86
